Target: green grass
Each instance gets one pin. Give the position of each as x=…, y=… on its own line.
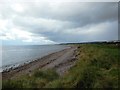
x=37, y=80
x=96, y=67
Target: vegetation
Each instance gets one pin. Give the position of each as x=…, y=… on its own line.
x=96, y=67
x=37, y=80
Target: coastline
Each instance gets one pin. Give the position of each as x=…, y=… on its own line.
x=29, y=56
x=61, y=61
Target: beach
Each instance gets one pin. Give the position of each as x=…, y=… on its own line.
x=80, y=66
x=61, y=61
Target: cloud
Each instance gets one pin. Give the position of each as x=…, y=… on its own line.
x=16, y=34
x=94, y=32
x=56, y=22
x=74, y=11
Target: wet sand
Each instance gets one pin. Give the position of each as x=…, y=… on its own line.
x=61, y=61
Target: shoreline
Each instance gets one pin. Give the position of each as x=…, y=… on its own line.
x=7, y=68
x=57, y=60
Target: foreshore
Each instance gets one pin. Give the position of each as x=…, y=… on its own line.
x=61, y=61
x=85, y=65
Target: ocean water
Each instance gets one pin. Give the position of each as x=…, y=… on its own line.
x=13, y=56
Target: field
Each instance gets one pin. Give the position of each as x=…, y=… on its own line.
x=96, y=67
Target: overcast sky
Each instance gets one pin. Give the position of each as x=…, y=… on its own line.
x=27, y=23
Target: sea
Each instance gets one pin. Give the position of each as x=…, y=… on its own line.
x=14, y=56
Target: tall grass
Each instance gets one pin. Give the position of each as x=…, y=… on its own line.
x=37, y=80
x=96, y=67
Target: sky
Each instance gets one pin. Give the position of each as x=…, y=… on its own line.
x=38, y=23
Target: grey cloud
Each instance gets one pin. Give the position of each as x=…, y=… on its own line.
x=37, y=25
x=108, y=33
x=82, y=13
x=64, y=22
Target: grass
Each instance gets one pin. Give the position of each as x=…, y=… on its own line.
x=37, y=80
x=96, y=67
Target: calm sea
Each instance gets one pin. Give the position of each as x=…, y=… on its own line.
x=13, y=56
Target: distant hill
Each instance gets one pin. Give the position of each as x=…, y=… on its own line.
x=95, y=42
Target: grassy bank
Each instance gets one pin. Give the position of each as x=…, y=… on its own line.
x=96, y=67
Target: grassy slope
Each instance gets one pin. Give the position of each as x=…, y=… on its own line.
x=96, y=67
